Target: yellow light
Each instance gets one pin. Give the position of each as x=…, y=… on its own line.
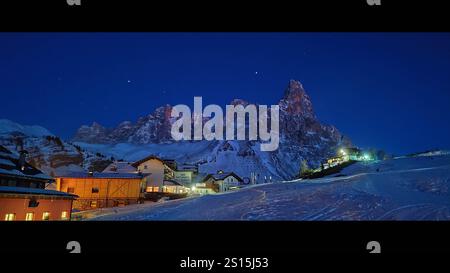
x=193, y=188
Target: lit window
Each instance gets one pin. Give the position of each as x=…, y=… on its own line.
x=64, y=215
x=46, y=216
x=152, y=189
x=10, y=217
x=93, y=204
x=29, y=216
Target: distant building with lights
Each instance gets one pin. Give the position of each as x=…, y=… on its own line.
x=220, y=182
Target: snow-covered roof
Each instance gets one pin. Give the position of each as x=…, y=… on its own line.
x=10, y=166
x=120, y=167
x=222, y=176
x=139, y=162
x=102, y=175
x=23, y=190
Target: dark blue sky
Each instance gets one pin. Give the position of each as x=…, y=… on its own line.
x=385, y=90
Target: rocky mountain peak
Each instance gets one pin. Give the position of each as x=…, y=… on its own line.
x=296, y=101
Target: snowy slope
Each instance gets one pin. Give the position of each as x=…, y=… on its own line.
x=46, y=152
x=402, y=189
x=8, y=127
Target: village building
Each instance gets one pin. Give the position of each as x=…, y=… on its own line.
x=172, y=186
x=158, y=174
x=99, y=190
x=171, y=163
x=185, y=177
x=220, y=182
x=186, y=174
x=154, y=170
x=23, y=193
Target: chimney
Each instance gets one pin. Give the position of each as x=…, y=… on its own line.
x=22, y=159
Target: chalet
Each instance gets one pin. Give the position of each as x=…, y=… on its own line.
x=155, y=171
x=222, y=182
x=23, y=195
x=99, y=190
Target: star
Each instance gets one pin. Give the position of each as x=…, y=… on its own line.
x=256, y=73
x=128, y=81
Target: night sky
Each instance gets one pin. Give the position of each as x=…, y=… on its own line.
x=384, y=90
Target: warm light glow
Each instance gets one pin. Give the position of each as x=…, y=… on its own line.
x=343, y=152
x=29, y=216
x=46, y=216
x=193, y=188
x=10, y=217
x=64, y=215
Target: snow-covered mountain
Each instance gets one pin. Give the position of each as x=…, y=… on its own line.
x=10, y=127
x=47, y=152
x=302, y=137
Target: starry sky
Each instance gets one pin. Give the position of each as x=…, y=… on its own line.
x=385, y=90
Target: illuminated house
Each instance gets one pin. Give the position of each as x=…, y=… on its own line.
x=156, y=172
x=222, y=182
x=99, y=190
x=23, y=195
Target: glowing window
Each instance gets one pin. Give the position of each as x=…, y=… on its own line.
x=46, y=216
x=10, y=217
x=64, y=215
x=29, y=216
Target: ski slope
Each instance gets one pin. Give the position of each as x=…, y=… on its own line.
x=416, y=188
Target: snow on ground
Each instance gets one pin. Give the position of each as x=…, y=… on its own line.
x=401, y=189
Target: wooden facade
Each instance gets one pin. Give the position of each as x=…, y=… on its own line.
x=99, y=192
